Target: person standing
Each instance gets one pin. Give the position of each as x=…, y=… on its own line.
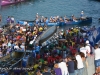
x=8, y=20
x=63, y=66
x=88, y=48
x=70, y=64
x=82, y=15
x=46, y=71
x=57, y=70
x=83, y=49
x=80, y=65
x=12, y=20
x=1, y=54
x=75, y=65
x=97, y=58
x=85, y=63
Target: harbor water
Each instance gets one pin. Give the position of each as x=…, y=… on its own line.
x=27, y=10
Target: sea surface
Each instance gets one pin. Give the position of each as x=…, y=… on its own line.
x=27, y=10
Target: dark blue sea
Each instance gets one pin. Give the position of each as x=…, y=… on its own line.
x=27, y=10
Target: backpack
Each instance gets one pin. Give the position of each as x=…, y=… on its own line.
x=91, y=51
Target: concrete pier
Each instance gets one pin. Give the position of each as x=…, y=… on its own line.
x=91, y=66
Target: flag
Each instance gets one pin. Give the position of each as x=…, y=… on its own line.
x=91, y=40
x=95, y=33
x=98, y=35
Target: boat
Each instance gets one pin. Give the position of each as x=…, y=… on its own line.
x=88, y=20
x=7, y=2
x=11, y=60
x=46, y=35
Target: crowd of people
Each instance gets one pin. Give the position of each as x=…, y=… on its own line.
x=68, y=56
x=17, y=37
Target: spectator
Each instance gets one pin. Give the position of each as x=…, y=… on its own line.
x=1, y=53
x=70, y=64
x=80, y=65
x=97, y=58
x=88, y=48
x=22, y=46
x=83, y=49
x=75, y=65
x=62, y=65
x=8, y=20
x=46, y=71
x=57, y=70
x=12, y=20
x=85, y=63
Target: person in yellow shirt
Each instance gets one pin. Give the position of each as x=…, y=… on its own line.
x=34, y=32
x=36, y=66
x=70, y=33
x=40, y=28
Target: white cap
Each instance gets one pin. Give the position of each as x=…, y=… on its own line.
x=28, y=24
x=87, y=42
x=28, y=32
x=81, y=11
x=23, y=43
x=62, y=30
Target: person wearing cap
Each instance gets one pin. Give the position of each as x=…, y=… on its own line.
x=37, y=16
x=82, y=15
x=83, y=49
x=88, y=49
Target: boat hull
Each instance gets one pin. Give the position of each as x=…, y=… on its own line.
x=46, y=35
x=5, y=3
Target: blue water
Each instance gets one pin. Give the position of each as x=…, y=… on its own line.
x=27, y=10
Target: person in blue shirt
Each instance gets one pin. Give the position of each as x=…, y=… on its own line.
x=47, y=21
x=70, y=64
x=8, y=20
x=82, y=15
x=37, y=48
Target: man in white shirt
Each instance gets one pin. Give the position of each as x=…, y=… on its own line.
x=16, y=47
x=12, y=20
x=22, y=46
x=83, y=49
x=97, y=58
x=80, y=65
x=88, y=47
x=62, y=65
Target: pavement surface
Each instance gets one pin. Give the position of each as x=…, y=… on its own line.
x=91, y=66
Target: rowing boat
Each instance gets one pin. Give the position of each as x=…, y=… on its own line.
x=7, y=2
x=46, y=35
x=87, y=20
